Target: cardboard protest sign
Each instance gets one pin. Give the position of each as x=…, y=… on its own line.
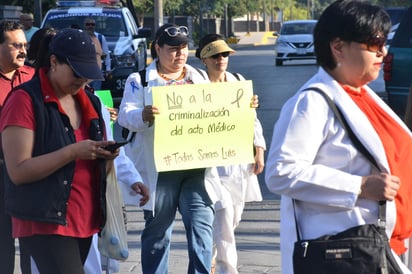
x=203, y=125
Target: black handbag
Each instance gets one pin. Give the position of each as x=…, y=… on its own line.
x=360, y=249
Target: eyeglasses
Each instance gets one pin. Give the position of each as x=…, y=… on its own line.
x=374, y=44
x=90, y=24
x=223, y=54
x=20, y=46
x=174, y=31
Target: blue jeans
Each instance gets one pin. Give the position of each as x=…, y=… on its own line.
x=183, y=190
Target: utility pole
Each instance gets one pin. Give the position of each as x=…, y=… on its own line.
x=158, y=14
x=226, y=23
x=201, y=18
x=38, y=17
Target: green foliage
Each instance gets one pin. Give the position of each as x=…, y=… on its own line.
x=171, y=7
x=237, y=9
x=292, y=9
x=143, y=6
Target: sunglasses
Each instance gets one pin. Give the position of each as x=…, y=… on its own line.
x=20, y=46
x=374, y=44
x=90, y=24
x=223, y=54
x=174, y=31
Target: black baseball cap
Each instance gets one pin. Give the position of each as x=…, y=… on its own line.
x=172, y=35
x=78, y=48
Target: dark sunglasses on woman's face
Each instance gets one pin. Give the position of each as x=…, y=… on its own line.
x=174, y=31
x=223, y=54
x=375, y=44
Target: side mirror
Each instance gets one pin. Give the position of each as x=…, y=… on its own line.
x=276, y=34
x=144, y=33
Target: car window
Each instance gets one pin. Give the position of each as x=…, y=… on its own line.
x=298, y=28
x=396, y=14
x=114, y=26
x=108, y=23
x=133, y=27
x=403, y=36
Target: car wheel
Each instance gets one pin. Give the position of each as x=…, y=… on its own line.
x=279, y=62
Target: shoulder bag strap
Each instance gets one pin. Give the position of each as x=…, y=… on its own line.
x=359, y=146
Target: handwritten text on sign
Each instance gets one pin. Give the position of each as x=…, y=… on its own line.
x=203, y=125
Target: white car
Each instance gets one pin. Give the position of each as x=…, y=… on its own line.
x=295, y=41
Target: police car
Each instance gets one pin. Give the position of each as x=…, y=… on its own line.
x=126, y=41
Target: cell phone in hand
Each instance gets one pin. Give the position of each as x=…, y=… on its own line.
x=113, y=147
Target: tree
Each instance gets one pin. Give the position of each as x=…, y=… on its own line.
x=143, y=7
x=292, y=9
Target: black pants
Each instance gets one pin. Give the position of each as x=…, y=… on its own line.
x=7, y=249
x=7, y=242
x=56, y=254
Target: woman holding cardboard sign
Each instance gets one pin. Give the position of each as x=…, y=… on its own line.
x=237, y=184
x=172, y=190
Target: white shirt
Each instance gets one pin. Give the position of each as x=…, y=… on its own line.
x=312, y=160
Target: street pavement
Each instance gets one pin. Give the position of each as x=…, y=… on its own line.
x=257, y=240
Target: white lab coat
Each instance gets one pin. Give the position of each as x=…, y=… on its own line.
x=240, y=180
x=140, y=150
x=312, y=160
x=233, y=186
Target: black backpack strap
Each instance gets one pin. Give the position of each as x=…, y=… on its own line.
x=237, y=76
x=200, y=72
x=143, y=77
